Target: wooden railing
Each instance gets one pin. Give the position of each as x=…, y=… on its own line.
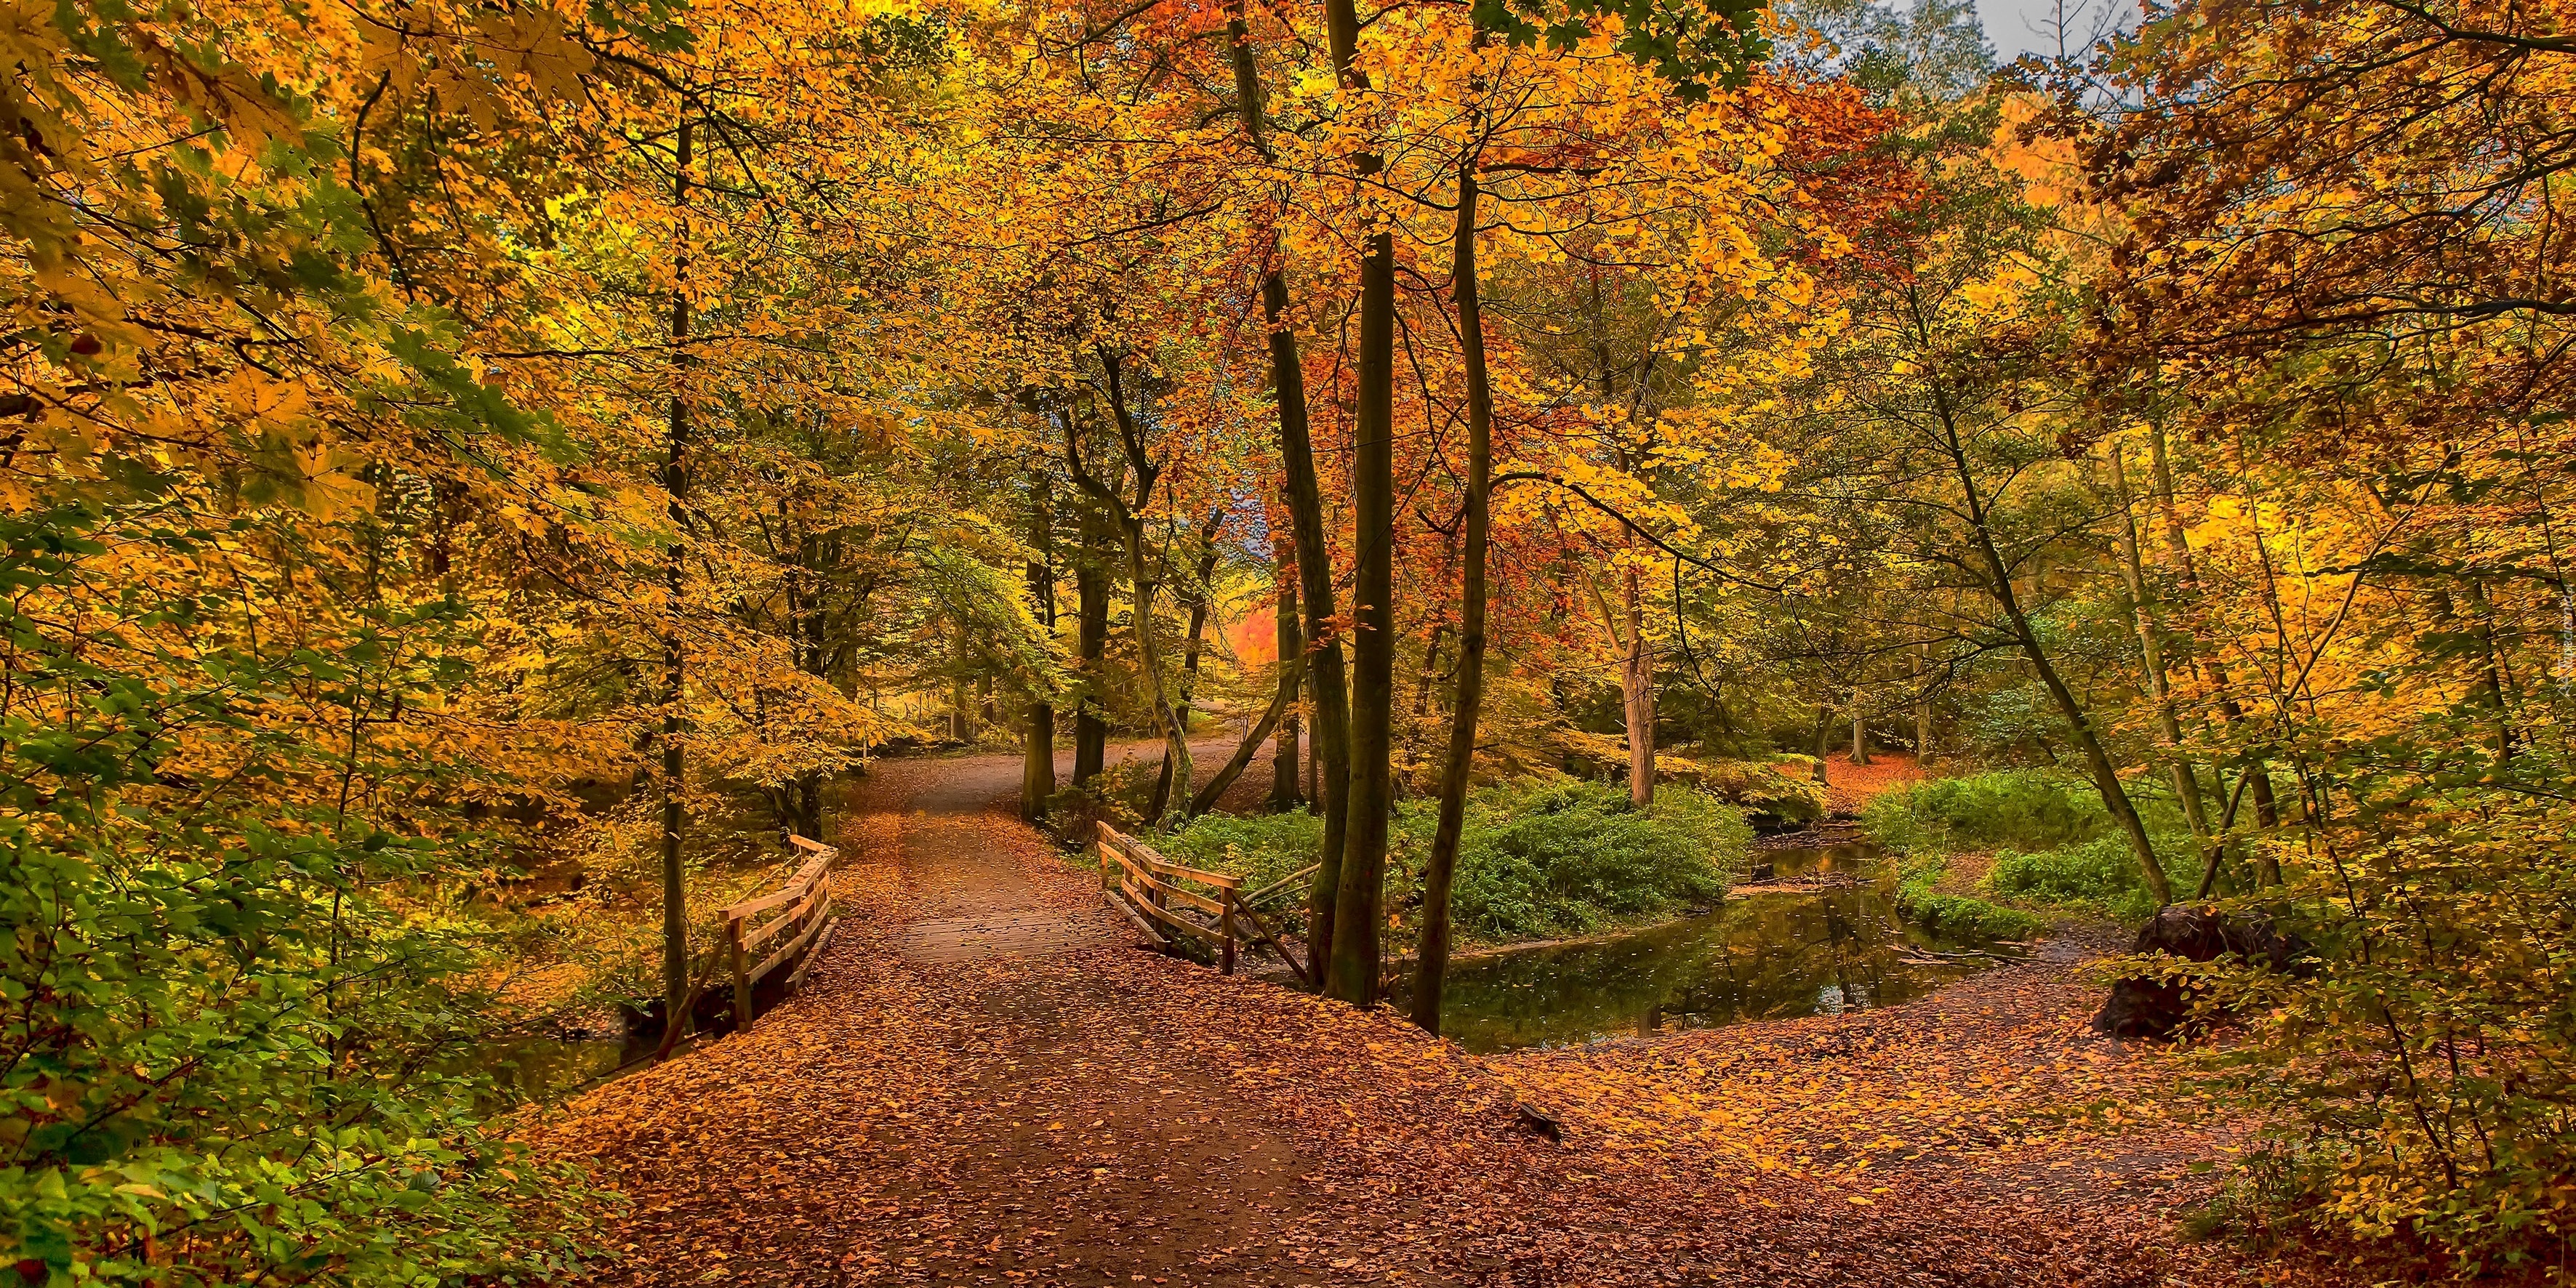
x=784, y=928
x=1157, y=895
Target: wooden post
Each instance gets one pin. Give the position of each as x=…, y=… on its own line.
x=741, y=983
x=1225, y=926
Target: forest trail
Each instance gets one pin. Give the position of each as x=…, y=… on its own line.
x=994, y=1100
x=986, y=1083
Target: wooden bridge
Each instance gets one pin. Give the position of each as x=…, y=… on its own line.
x=786, y=929
x=1161, y=896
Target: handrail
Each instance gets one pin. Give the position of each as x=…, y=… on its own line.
x=807, y=899
x=1146, y=885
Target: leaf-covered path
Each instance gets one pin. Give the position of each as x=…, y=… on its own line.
x=986, y=1083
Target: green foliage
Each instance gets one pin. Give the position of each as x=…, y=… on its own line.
x=2100, y=874
x=1962, y=916
x=221, y=1017
x=1540, y=857
x=2053, y=841
x=2021, y=808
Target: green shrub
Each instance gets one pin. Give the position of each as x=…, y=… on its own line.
x=1958, y=915
x=2022, y=808
x=2101, y=873
x=2054, y=843
x=1539, y=857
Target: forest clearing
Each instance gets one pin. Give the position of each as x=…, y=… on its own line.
x=1112, y=642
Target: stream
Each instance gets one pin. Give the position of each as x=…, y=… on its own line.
x=1766, y=954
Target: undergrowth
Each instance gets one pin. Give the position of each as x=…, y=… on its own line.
x=2054, y=843
x=1540, y=857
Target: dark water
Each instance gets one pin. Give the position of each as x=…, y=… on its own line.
x=546, y=1070
x=1762, y=956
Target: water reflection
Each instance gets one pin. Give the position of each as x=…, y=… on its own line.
x=1824, y=950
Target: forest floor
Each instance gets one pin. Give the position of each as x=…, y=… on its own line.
x=986, y=1082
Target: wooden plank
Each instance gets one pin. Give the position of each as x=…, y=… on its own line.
x=797, y=885
x=752, y=940
x=1144, y=927
x=1146, y=855
x=796, y=979
x=771, y=962
x=813, y=847
x=1262, y=933
x=1172, y=919
x=1214, y=907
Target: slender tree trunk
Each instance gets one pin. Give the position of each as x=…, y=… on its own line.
x=1860, y=729
x=1330, y=699
x=1206, y=797
x=1637, y=694
x=675, y=481
x=1130, y=519
x=1190, y=660
x=2151, y=651
x=1352, y=974
x=1091, y=644
x=1999, y=584
x=1037, y=769
x=1439, y=872
x=1284, y=759
x=1922, y=703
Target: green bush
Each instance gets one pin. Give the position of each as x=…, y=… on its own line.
x=2054, y=843
x=2022, y=808
x=1958, y=915
x=2101, y=873
x=1539, y=857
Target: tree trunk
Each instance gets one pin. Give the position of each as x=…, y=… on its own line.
x=675, y=481
x=1637, y=694
x=1331, y=701
x=1091, y=644
x=1440, y=870
x=1352, y=975
x=1860, y=729
x=1922, y=703
x=1998, y=578
x=1284, y=795
x=1207, y=797
x=2151, y=652
x=1037, y=769
x=1190, y=659
x=1144, y=585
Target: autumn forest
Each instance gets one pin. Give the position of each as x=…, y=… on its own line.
x=1092, y=642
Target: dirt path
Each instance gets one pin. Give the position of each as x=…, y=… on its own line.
x=985, y=1083
x=978, y=1086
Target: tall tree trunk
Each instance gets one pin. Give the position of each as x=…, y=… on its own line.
x=1637, y=692
x=1037, y=768
x=1860, y=728
x=1439, y=872
x=2151, y=652
x=1190, y=658
x=1922, y=703
x=675, y=481
x=1999, y=584
x=1091, y=643
x=1284, y=795
x=1130, y=519
x=1330, y=698
x=1352, y=975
